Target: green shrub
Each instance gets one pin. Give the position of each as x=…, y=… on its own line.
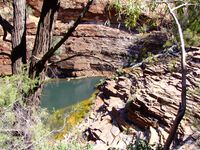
x=23, y=126
x=189, y=20
x=172, y=65
x=130, y=10
x=143, y=29
x=192, y=38
x=120, y=72
x=13, y=87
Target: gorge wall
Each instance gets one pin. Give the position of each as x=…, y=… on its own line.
x=94, y=48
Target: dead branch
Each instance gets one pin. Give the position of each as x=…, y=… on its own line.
x=7, y=27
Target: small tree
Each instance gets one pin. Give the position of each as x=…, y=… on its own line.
x=182, y=105
x=182, y=9
x=176, y=11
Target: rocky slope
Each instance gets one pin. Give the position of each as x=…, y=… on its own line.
x=142, y=104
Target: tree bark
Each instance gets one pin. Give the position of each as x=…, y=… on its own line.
x=42, y=44
x=18, y=54
x=42, y=51
x=44, y=33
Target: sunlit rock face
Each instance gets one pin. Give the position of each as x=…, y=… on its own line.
x=70, y=10
x=145, y=100
x=94, y=48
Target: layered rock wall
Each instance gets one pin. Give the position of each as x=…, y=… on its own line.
x=93, y=49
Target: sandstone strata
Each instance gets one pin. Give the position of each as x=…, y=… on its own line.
x=143, y=103
x=94, y=49
x=5, y=63
x=100, y=50
x=70, y=10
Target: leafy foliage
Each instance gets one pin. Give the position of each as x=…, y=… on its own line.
x=130, y=11
x=12, y=88
x=22, y=126
x=188, y=16
x=16, y=124
x=143, y=145
x=140, y=144
x=192, y=38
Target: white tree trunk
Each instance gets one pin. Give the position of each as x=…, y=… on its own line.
x=182, y=106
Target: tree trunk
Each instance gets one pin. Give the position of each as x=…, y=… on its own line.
x=18, y=55
x=44, y=33
x=40, y=65
x=42, y=49
x=182, y=106
x=42, y=44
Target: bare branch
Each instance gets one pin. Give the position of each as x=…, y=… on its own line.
x=7, y=27
x=12, y=131
x=179, y=6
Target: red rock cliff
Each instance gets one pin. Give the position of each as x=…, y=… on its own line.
x=94, y=49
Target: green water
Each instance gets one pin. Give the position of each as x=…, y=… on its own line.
x=61, y=93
